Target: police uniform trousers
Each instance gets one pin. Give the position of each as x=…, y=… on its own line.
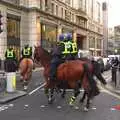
x=55, y=62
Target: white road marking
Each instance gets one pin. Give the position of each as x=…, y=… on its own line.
x=110, y=93
x=4, y=107
x=42, y=106
x=59, y=107
x=37, y=89
x=26, y=105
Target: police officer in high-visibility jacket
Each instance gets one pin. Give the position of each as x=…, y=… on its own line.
x=73, y=47
x=67, y=47
x=27, y=52
x=10, y=61
x=57, y=57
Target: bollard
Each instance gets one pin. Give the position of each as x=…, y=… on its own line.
x=114, y=75
x=11, y=82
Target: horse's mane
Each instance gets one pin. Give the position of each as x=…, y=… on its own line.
x=47, y=53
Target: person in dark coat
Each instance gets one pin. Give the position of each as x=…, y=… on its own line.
x=115, y=64
x=57, y=56
x=10, y=60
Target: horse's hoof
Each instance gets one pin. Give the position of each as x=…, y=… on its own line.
x=50, y=100
x=25, y=88
x=86, y=109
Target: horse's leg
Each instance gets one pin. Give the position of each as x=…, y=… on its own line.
x=64, y=89
x=46, y=91
x=76, y=93
x=51, y=96
x=27, y=77
x=84, y=96
x=89, y=96
x=63, y=93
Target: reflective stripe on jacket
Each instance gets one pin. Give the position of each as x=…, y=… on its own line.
x=67, y=48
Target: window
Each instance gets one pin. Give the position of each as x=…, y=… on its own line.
x=46, y=3
x=80, y=4
x=67, y=2
x=15, y=2
x=52, y=8
x=92, y=8
x=98, y=11
x=72, y=17
x=13, y=28
x=92, y=42
x=62, y=12
x=57, y=10
x=67, y=15
x=98, y=44
x=13, y=34
x=48, y=35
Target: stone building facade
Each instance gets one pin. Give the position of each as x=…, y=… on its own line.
x=42, y=21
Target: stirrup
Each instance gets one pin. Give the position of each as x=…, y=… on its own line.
x=72, y=100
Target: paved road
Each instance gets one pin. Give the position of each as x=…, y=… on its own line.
x=35, y=107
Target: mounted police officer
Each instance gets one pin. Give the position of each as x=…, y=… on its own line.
x=73, y=47
x=27, y=52
x=10, y=60
x=57, y=57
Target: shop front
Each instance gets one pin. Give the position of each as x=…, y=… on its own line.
x=13, y=33
x=48, y=35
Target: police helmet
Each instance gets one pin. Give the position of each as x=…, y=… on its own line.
x=61, y=37
x=69, y=36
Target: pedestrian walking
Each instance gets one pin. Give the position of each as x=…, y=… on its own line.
x=115, y=64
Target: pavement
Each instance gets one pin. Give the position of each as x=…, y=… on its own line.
x=111, y=85
x=6, y=97
x=18, y=92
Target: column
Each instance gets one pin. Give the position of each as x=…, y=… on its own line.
x=74, y=35
x=59, y=31
x=3, y=35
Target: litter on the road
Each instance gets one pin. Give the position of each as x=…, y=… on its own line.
x=26, y=105
x=42, y=106
x=94, y=108
x=76, y=107
x=11, y=105
x=59, y=107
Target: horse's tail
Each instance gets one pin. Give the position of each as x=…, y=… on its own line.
x=26, y=66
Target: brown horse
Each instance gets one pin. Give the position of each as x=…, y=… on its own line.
x=25, y=67
x=71, y=71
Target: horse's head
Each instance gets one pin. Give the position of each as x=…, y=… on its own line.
x=41, y=55
x=37, y=53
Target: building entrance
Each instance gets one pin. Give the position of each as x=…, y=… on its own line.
x=13, y=33
x=80, y=39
